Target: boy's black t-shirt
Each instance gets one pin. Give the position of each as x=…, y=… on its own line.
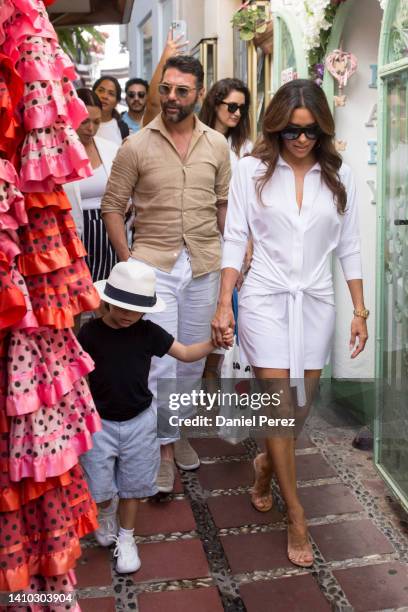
x=119, y=383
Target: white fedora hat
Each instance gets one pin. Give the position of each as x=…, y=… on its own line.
x=131, y=285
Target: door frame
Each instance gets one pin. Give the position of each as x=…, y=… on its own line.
x=385, y=69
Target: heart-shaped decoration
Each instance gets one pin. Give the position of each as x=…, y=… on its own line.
x=341, y=65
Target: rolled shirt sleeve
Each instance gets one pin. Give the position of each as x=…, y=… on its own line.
x=236, y=231
x=348, y=249
x=223, y=176
x=122, y=180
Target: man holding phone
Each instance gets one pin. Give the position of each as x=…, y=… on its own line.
x=136, y=97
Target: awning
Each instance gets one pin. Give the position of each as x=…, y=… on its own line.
x=90, y=12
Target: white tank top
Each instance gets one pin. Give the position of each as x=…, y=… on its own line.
x=93, y=188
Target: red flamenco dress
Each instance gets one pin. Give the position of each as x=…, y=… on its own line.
x=47, y=415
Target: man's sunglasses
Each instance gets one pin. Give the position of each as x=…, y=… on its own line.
x=182, y=91
x=139, y=94
x=233, y=107
x=312, y=132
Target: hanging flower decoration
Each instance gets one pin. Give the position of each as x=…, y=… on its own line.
x=341, y=66
x=316, y=18
x=250, y=19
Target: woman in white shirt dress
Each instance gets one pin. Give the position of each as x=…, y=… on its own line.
x=297, y=200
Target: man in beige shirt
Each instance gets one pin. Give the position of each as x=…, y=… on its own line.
x=177, y=171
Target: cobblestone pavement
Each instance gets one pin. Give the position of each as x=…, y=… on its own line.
x=205, y=549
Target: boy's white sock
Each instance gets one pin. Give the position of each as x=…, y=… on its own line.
x=125, y=533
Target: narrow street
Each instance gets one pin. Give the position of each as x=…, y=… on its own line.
x=205, y=549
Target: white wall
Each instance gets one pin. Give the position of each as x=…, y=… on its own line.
x=362, y=41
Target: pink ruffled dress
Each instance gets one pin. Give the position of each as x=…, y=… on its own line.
x=47, y=415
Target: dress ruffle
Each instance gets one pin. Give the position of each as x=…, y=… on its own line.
x=22, y=25
x=57, y=198
x=11, y=89
x=43, y=59
x=12, y=301
x=43, y=366
x=45, y=101
x=48, y=442
x=7, y=10
x=42, y=537
x=14, y=495
x=53, y=584
x=57, y=297
x=29, y=320
x=52, y=156
x=12, y=208
x=49, y=241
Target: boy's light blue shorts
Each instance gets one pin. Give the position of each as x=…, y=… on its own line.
x=125, y=458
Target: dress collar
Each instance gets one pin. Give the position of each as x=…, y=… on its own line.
x=282, y=162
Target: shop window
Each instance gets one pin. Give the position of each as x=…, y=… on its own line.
x=287, y=52
x=240, y=57
x=206, y=52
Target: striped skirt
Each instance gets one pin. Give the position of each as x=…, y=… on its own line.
x=101, y=255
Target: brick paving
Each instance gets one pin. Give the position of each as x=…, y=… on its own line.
x=205, y=549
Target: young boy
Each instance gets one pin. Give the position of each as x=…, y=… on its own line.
x=125, y=458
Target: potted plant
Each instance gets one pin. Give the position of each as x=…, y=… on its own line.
x=252, y=23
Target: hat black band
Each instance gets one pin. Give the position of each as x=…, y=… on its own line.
x=129, y=298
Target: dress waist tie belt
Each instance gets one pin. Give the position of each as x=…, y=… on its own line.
x=296, y=332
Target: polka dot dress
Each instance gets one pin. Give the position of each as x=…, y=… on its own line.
x=47, y=415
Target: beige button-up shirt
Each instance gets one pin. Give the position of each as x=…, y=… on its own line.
x=175, y=200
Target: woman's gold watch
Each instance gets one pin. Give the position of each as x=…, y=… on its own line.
x=361, y=313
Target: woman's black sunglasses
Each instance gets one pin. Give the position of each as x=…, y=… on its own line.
x=233, y=107
x=312, y=132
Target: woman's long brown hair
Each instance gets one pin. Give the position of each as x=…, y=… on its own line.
x=300, y=93
x=217, y=94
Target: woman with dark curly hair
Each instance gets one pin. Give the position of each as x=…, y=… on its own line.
x=226, y=109
x=297, y=198
x=109, y=91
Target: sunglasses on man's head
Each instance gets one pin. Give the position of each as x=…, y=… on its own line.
x=139, y=94
x=291, y=132
x=182, y=91
x=234, y=106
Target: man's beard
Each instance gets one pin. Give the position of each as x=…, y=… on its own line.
x=183, y=111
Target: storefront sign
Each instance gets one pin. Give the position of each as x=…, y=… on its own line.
x=372, y=117
x=372, y=146
x=374, y=72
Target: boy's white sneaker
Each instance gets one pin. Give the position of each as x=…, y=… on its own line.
x=127, y=556
x=108, y=528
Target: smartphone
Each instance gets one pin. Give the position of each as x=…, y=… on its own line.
x=179, y=28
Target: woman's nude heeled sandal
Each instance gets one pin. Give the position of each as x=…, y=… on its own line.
x=262, y=503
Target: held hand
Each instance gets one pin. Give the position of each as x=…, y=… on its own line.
x=228, y=337
x=174, y=47
x=358, y=331
x=222, y=323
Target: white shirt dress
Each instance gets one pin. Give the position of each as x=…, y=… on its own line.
x=286, y=305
